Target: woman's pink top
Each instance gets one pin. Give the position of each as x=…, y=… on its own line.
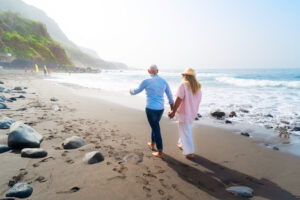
x=188, y=109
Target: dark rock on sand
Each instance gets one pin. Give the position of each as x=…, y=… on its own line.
x=196, y=118
x=7, y=91
x=275, y=148
x=33, y=153
x=268, y=126
x=23, y=136
x=20, y=190
x=244, y=110
x=53, y=99
x=199, y=116
x=228, y=122
x=6, y=122
x=269, y=115
x=3, y=106
x=285, y=122
x=4, y=148
x=21, y=109
x=1, y=82
x=2, y=89
x=13, y=98
x=21, y=97
x=296, y=128
x=73, y=142
x=17, y=88
x=245, y=134
x=2, y=98
x=218, y=114
x=242, y=191
x=93, y=157
x=232, y=114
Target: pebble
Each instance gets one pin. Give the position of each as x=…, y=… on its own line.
x=245, y=134
x=53, y=99
x=20, y=190
x=275, y=148
x=17, y=88
x=33, y=153
x=21, y=109
x=244, y=110
x=93, y=157
x=228, y=122
x=242, y=191
x=232, y=114
x=73, y=142
x=21, y=97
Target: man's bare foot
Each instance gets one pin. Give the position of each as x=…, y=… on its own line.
x=190, y=156
x=179, y=146
x=151, y=145
x=158, y=154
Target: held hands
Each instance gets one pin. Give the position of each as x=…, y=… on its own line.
x=171, y=114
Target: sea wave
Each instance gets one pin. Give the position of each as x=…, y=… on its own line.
x=258, y=83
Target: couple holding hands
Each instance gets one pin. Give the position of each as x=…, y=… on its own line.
x=184, y=110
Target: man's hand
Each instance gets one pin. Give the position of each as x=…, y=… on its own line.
x=171, y=114
x=130, y=91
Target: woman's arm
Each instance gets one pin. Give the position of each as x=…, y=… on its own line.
x=178, y=101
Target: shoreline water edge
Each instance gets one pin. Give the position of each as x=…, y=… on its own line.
x=253, y=110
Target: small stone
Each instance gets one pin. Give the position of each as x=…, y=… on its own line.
x=218, y=114
x=13, y=98
x=268, y=126
x=3, y=106
x=198, y=115
x=4, y=148
x=21, y=109
x=285, y=122
x=2, y=98
x=1, y=82
x=242, y=191
x=196, y=118
x=93, y=157
x=296, y=128
x=228, y=122
x=33, y=153
x=232, y=114
x=245, y=134
x=2, y=89
x=20, y=190
x=6, y=122
x=21, y=97
x=275, y=148
x=7, y=91
x=73, y=142
x=244, y=110
x=269, y=115
x=17, y=88
x=53, y=99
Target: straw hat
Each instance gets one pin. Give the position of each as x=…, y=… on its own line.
x=189, y=71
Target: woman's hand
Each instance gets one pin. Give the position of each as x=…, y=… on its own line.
x=171, y=114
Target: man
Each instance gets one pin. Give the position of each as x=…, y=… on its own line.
x=155, y=87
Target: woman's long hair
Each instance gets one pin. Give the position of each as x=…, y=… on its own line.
x=192, y=83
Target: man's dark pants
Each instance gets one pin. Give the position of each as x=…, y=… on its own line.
x=154, y=117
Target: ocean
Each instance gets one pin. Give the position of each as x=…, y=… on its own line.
x=271, y=96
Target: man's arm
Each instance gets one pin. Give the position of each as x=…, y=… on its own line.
x=139, y=89
x=169, y=95
x=178, y=101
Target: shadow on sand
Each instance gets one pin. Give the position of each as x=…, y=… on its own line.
x=217, y=178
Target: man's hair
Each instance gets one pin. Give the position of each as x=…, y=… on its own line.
x=153, y=68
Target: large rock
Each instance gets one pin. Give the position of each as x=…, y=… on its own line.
x=4, y=148
x=218, y=114
x=20, y=190
x=6, y=122
x=33, y=153
x=93, y=157
x=3, y=106
x=242, y=191
x=23, y=136
x=73, y=142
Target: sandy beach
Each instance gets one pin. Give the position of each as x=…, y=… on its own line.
x=129, y=171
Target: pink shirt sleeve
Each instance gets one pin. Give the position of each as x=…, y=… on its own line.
x=181, y=91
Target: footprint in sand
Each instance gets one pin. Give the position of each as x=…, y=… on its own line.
x=41, y=179
x=72, y=190
x=69, y=161
x=17, y=178
x=42, y=161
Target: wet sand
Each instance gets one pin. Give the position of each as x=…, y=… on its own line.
x=129, y=171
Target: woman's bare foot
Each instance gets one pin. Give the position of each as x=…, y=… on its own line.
x=179, y=146
x=158, y=154
x=189, y=156
x=151, y=145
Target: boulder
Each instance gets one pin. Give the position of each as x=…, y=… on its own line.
x=245, y=134
x=4, y=148
x=6, y=122
x=93, y=157
x=17, y=88
x=1, y=82
x=218, y=114
x=3, y=106
x=33, y=153
x=53, y=99
x=23, y=136
x=242, y=191
x=73, y=142
x=232, y=114
x=20, y=190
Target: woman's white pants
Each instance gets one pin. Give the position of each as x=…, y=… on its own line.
x=185, y=138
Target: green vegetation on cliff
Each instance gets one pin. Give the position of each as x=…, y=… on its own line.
x=29, y=40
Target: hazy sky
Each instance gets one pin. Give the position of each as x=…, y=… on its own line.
x=182, y=33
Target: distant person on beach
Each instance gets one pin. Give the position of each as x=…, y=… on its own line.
x=185, y=110
x=155, y=87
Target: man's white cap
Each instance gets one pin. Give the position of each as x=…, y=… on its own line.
x=153, y=68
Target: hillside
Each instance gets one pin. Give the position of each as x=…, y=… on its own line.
x=29, y=40
x=79, y=57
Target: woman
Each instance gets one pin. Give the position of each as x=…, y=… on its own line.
x=186, y=108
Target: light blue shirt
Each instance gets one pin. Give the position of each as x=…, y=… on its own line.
x=155, y=88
